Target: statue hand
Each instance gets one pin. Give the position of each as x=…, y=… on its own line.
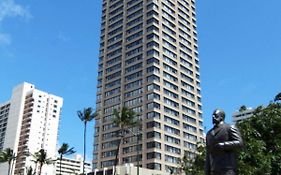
x=219, y=146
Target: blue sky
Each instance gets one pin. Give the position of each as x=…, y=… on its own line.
x=54, y=45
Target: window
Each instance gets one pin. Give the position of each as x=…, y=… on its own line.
x=153, y=155
x=133, y=44
x=171, y=139
x=133, y=93
x=153, y=105
x=112, y=92
x=190, y=136
x=133, y=76
x=171, y=94
x=172, y=159
x=188, y=118
x=171, y=120
x=153, y=115
x=152, y=78
x=153, y=145
x=188, y=102
x=107, y=163
x=133, y=67
x=112, y=100
x=153, y=87
x=136, y=35
x=171, y=111
x=190, y=145
x=133, y=102
x=153, y=96
x=134, y=59
x=134, y=84
x=171, y=130
x=153, y=134
x=171, y=102
x=152, y=69
x=170, y=85
x=172, y=149
x=188, y=110
x=152, y=60
x=189, y=127
x=170, y=77
x=155, y=166
x=152, y=52
x=153, y=124
x=132, y=149
x=109, y=153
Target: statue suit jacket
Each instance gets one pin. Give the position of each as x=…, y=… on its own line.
x=221, y=144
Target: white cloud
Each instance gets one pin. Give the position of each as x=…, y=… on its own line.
x=8, y=8
x=5, y=39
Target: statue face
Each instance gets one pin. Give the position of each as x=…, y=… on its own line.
x=217, y=119
x=218, y=116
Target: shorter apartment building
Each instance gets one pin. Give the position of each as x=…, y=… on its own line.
x=238, y=116
x=127, y=169
x=72, y=166
x=29, y=122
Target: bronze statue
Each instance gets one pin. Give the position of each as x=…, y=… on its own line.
x=222, y=141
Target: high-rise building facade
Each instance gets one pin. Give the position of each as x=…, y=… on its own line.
x=29, y=122
x=149, y=62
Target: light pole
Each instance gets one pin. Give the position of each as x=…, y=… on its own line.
x=138, y=161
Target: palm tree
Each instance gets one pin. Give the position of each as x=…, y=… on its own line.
x=7, y=156
x=277, y=97
x=65, y=150
x=40, y=158
x=124, y=119
x=29, y=171
x=86, y=116
x=242, y=108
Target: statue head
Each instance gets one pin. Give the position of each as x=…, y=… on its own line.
x=218, y=116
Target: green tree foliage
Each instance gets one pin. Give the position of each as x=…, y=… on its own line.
x=262, y=138
x=277, y=97
x=124, y=119
x=242, y=108
x=7, y=155
x=86, y=116
x=195, y=165
x=65, y=150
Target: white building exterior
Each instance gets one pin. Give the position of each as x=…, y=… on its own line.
x=242, y=115
x=29, y=122
x=72, y=166
x=128, y=169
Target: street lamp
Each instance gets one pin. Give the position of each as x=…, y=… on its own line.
x=138, y=161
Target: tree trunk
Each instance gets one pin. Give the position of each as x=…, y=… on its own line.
x=116, y=156
x=60, y=163
x=35, y=169
x=85, y=130
x=9, y=167
x=118, y=149
x=40, y=168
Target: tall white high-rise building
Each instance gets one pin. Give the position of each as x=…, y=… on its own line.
x=149, y=62
x=29, y=122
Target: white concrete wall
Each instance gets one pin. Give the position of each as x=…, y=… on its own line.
x=15, y=119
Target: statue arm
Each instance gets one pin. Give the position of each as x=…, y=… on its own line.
x=235, y=140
